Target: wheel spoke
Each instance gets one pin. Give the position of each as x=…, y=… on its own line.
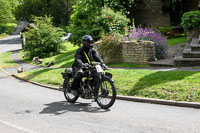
x=104, y=98
x=68, y=95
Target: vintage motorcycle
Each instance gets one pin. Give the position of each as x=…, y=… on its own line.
x=95, y=84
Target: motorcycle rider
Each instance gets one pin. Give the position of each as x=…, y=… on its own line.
x=83, y=58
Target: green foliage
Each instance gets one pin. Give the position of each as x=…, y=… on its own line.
x=58, y=9
x=124, y=6
x=82, y=20
x=3, y=28
x=164, y=30
x=6, y=10
x=29, y=8
x=89, y=18
x=7, y=28
x=121, y=5
x=44, y=39
x=112, y=22
x=191, y=20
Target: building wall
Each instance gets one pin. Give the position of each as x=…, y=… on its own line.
x=150, y=13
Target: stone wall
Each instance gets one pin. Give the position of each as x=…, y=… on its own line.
x=140, y=52
x=150, y=12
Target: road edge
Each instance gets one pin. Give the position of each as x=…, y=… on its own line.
x=120, y=97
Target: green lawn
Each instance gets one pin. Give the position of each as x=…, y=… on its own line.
x=64, y=59
x=178, y=39
x=3, y=35
x=6, y=61
x=173, y=85
x=10, y=28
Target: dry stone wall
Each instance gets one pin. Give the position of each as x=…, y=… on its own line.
x=140, y=52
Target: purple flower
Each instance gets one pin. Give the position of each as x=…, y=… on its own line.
x=151, y=35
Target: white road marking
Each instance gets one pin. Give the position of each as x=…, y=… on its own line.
x=15, y=126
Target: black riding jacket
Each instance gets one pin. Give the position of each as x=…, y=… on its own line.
x=81, y=58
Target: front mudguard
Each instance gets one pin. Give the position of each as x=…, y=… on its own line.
x=105, y=77
x=108, y=75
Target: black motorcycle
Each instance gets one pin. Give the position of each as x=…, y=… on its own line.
x=95, y=84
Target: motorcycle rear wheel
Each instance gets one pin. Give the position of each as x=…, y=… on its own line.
x=67, y=91
x=106, y=93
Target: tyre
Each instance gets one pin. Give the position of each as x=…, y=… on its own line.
x=106, y=93
x=67, y=91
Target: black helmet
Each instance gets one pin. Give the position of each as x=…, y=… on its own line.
x=88, y=41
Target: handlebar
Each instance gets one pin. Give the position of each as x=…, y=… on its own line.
x=86, y=65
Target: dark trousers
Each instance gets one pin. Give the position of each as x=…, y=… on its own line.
x=78, y=75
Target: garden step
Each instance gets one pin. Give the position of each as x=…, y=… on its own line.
x=195, y=46
x=199, y=39
x=180, y=61
x=187, y=53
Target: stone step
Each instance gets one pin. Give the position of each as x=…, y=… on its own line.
x=191, y=54
x=180, y=61
x=199, y=39
x=195, y=46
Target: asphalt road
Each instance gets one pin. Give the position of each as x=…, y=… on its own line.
x=27, y=108
x=11, y=42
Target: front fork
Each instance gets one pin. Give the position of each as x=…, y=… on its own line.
x=98, y=86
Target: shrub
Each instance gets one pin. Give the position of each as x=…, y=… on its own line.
x=151, y=35
x=191, y=20
x=43, y=39
x=164, y=30
x=112, y=22
x=3, y=28
x=6, y=11
x=89, y=18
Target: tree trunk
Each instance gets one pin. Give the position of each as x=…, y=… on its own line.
x=68, y=13
x=102, y=3
x=132, y=17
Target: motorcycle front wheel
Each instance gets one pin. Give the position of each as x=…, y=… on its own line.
x=70, y=97
x=106, y=93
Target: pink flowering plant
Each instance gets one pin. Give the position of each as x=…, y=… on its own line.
x=150, y=34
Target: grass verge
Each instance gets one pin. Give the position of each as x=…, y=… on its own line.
x=6, y=61
x=178, y=39
x=10, y=27
x=126, y=65
x=64, y=59
x=171, y=85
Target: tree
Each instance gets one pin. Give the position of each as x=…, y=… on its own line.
x=179, y=7
x=126, y=6
x=90, y=18
x=43, y=39
x=6, y=10
x=60, y=10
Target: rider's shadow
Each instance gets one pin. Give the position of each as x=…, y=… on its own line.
x=61, y=107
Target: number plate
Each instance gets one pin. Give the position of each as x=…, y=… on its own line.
x=99, y=69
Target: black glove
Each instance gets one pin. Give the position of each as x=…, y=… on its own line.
x=104, y=66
